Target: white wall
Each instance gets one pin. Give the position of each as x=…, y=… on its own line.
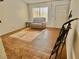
x=76, y=46
x=58, y=12
x=70, y=40
x=13, y=14
x=73, y=42
x=1, y=10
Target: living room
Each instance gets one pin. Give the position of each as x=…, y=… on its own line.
x=14, y=14
x=12, y=11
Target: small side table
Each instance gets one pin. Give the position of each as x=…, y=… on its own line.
x=28, y=24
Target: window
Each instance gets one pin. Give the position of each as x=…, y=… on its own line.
x=40, y=12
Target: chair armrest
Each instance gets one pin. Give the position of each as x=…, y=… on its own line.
x=43, y=24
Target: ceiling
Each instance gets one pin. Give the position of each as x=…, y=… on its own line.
x=35, y=1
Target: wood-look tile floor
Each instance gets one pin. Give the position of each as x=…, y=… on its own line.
x=39, y=48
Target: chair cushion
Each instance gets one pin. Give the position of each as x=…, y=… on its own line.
x=39, y=22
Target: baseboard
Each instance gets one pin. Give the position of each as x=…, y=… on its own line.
x=13, y=32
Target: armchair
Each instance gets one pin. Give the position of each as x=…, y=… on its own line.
x=39, y=22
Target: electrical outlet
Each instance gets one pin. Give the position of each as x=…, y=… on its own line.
x=1, y=0
x=0, y=21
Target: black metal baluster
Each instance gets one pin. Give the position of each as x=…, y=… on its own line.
x=61, y=38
